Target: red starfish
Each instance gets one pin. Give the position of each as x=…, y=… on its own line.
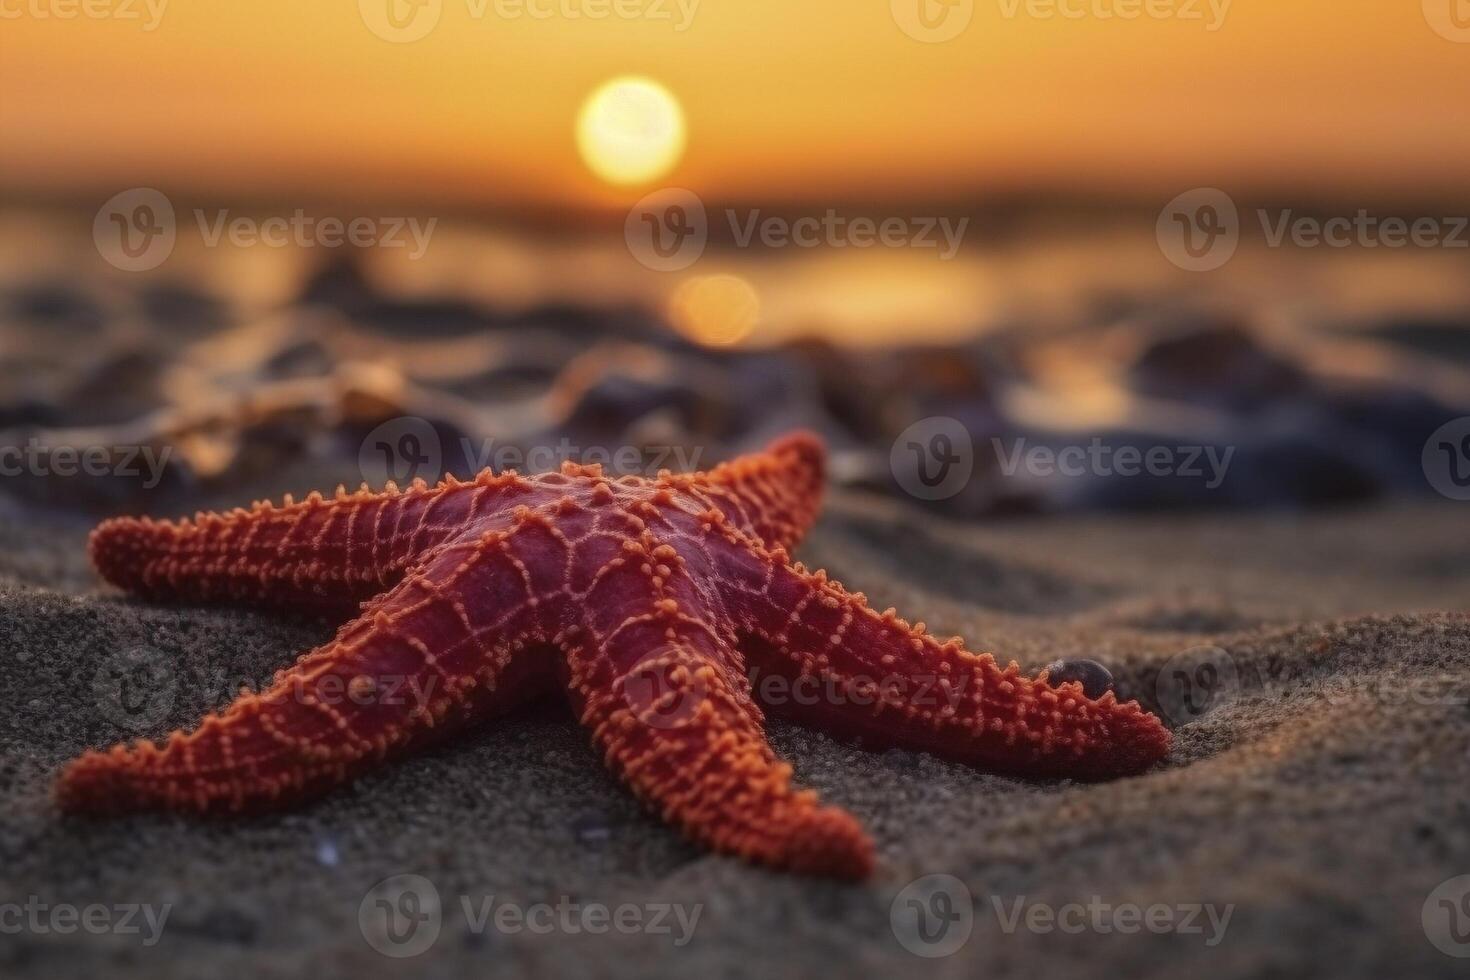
x=646, y=601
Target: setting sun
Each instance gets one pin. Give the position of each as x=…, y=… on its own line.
x=631, y=130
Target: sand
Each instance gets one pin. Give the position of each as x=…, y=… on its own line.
x=1317, y=799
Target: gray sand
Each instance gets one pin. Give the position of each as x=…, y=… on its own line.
x=1316, y=795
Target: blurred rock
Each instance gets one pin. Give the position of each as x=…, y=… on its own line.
x=1448, y=339
x=56, y=304
x=1218, y=361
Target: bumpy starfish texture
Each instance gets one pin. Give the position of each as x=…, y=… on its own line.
x=650, y=602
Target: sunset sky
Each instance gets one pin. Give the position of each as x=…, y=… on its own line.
x=783, y=100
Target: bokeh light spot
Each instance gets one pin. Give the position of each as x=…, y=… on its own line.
x=716, y=310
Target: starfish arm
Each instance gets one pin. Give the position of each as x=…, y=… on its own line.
x=455, y=640
x=316, y=555
x=667, y=708
x=821, y=654
x=775, y=494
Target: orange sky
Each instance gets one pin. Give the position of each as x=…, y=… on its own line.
x=783, y=99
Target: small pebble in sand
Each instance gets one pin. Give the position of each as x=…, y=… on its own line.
x=591, y=828
x=1096, y=680
x=326, y=853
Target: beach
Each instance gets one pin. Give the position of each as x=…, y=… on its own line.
x=1312, y=802
x=392, y=360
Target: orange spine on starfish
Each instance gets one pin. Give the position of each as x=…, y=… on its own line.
x=649, y=602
